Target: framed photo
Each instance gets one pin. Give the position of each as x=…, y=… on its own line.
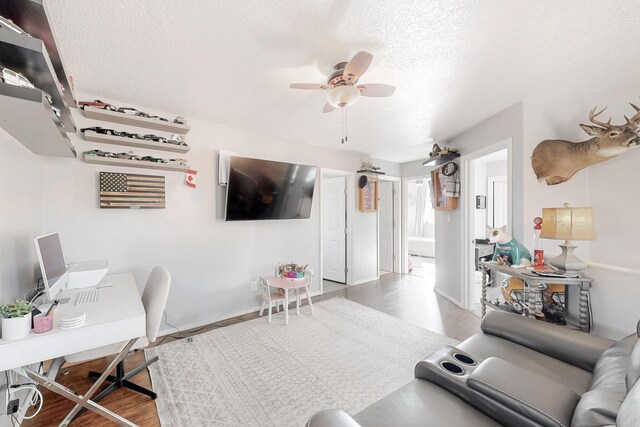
x=369, y=196
x=440, y=201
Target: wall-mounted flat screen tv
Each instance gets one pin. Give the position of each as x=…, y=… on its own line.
x=264, y=189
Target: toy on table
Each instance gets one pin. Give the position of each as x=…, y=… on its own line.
x=538, y=253
x=508, y=251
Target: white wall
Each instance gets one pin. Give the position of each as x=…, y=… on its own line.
x=608, y=187
x=20, y=220
x=20, y=217
x=212, y=261
x=449, y=225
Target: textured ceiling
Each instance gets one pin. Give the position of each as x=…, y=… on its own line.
x=454, y=62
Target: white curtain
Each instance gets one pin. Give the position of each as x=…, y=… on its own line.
x=421, y=203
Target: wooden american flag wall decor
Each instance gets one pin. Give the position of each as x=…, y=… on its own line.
x=131, y=191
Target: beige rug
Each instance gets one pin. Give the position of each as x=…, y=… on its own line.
x=259, y=374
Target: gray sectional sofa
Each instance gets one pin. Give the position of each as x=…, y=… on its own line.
x=517, y=372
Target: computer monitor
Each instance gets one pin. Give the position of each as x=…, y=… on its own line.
x=52, y=265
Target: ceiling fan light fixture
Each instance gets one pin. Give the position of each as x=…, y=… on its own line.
x=343, y=96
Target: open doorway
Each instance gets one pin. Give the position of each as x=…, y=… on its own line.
x=386, y=227
x=488, y=203
x=420, y=228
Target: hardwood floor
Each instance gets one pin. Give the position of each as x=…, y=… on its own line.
x=407, y=297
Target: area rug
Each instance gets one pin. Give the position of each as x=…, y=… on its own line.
x=259, y=374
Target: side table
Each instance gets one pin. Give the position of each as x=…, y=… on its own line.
x=532, y=280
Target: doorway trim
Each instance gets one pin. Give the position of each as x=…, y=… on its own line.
x=397, y=231
x=468, y=207
x=350, y=210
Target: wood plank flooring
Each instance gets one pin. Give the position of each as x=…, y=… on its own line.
x=407, y=297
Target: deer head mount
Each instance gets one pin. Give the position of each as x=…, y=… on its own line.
x=555, y=161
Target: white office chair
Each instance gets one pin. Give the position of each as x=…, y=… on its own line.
x=154, y=299
x=269, y=297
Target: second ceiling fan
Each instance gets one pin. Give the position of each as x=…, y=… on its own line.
x=342, y=88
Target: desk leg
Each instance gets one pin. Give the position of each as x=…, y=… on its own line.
x=286, y=306
x=71, y=415
x=585, y=321
x=81, y=401
x=483, y=300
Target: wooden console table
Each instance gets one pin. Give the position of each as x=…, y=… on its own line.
x=532, y=280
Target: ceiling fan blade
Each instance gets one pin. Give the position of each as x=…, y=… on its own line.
x=357, y=66
x=376, y=90
x=328, y=108
x=308, y=86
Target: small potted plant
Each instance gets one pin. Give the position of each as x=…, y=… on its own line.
x=16, y=320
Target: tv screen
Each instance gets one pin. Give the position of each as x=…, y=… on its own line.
x=264, y=189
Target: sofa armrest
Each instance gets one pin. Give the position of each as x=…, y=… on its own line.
x=534, y=396
x=331, y=418
x=574, y=347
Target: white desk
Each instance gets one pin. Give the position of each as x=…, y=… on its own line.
x=118, y=316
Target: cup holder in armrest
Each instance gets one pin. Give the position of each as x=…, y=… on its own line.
x=452, y=367
x=463, y=358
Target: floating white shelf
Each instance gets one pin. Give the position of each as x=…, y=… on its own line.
x=26, y=115
x=132, y=142
x=134, y=163
x=127, y=119
x=441, y=159
x=28, y=55
x=31, y=16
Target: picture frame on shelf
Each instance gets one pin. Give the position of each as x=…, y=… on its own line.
x=440, y=201
x=369, y=196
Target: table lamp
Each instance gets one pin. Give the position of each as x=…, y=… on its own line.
x=568, y=224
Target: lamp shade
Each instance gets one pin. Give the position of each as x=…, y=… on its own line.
x=342, y=96
x=568, y=223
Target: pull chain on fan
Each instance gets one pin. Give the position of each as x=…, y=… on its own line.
x=345, y=122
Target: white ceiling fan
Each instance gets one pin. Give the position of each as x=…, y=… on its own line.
x=341, y=86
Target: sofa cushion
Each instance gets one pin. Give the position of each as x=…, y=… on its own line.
x=613, y=364
x=421, y=404
x=331, y=418
x=599, y=406
x=633, y=373
x=629, y=414
x=568, y=345
x=484, y=346
x=543, y=400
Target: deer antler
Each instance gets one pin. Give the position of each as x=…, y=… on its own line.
x=593, y=115
x=636, y=117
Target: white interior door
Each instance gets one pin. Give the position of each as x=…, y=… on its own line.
x=386, y=225
x=334, y=226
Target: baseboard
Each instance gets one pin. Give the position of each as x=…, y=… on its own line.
x=447, y=296
x=204, y=322
x=360, y=282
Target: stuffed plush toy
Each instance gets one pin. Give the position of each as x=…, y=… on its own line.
x=508, y=250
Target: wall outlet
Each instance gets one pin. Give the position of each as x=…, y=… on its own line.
x=254, y=285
